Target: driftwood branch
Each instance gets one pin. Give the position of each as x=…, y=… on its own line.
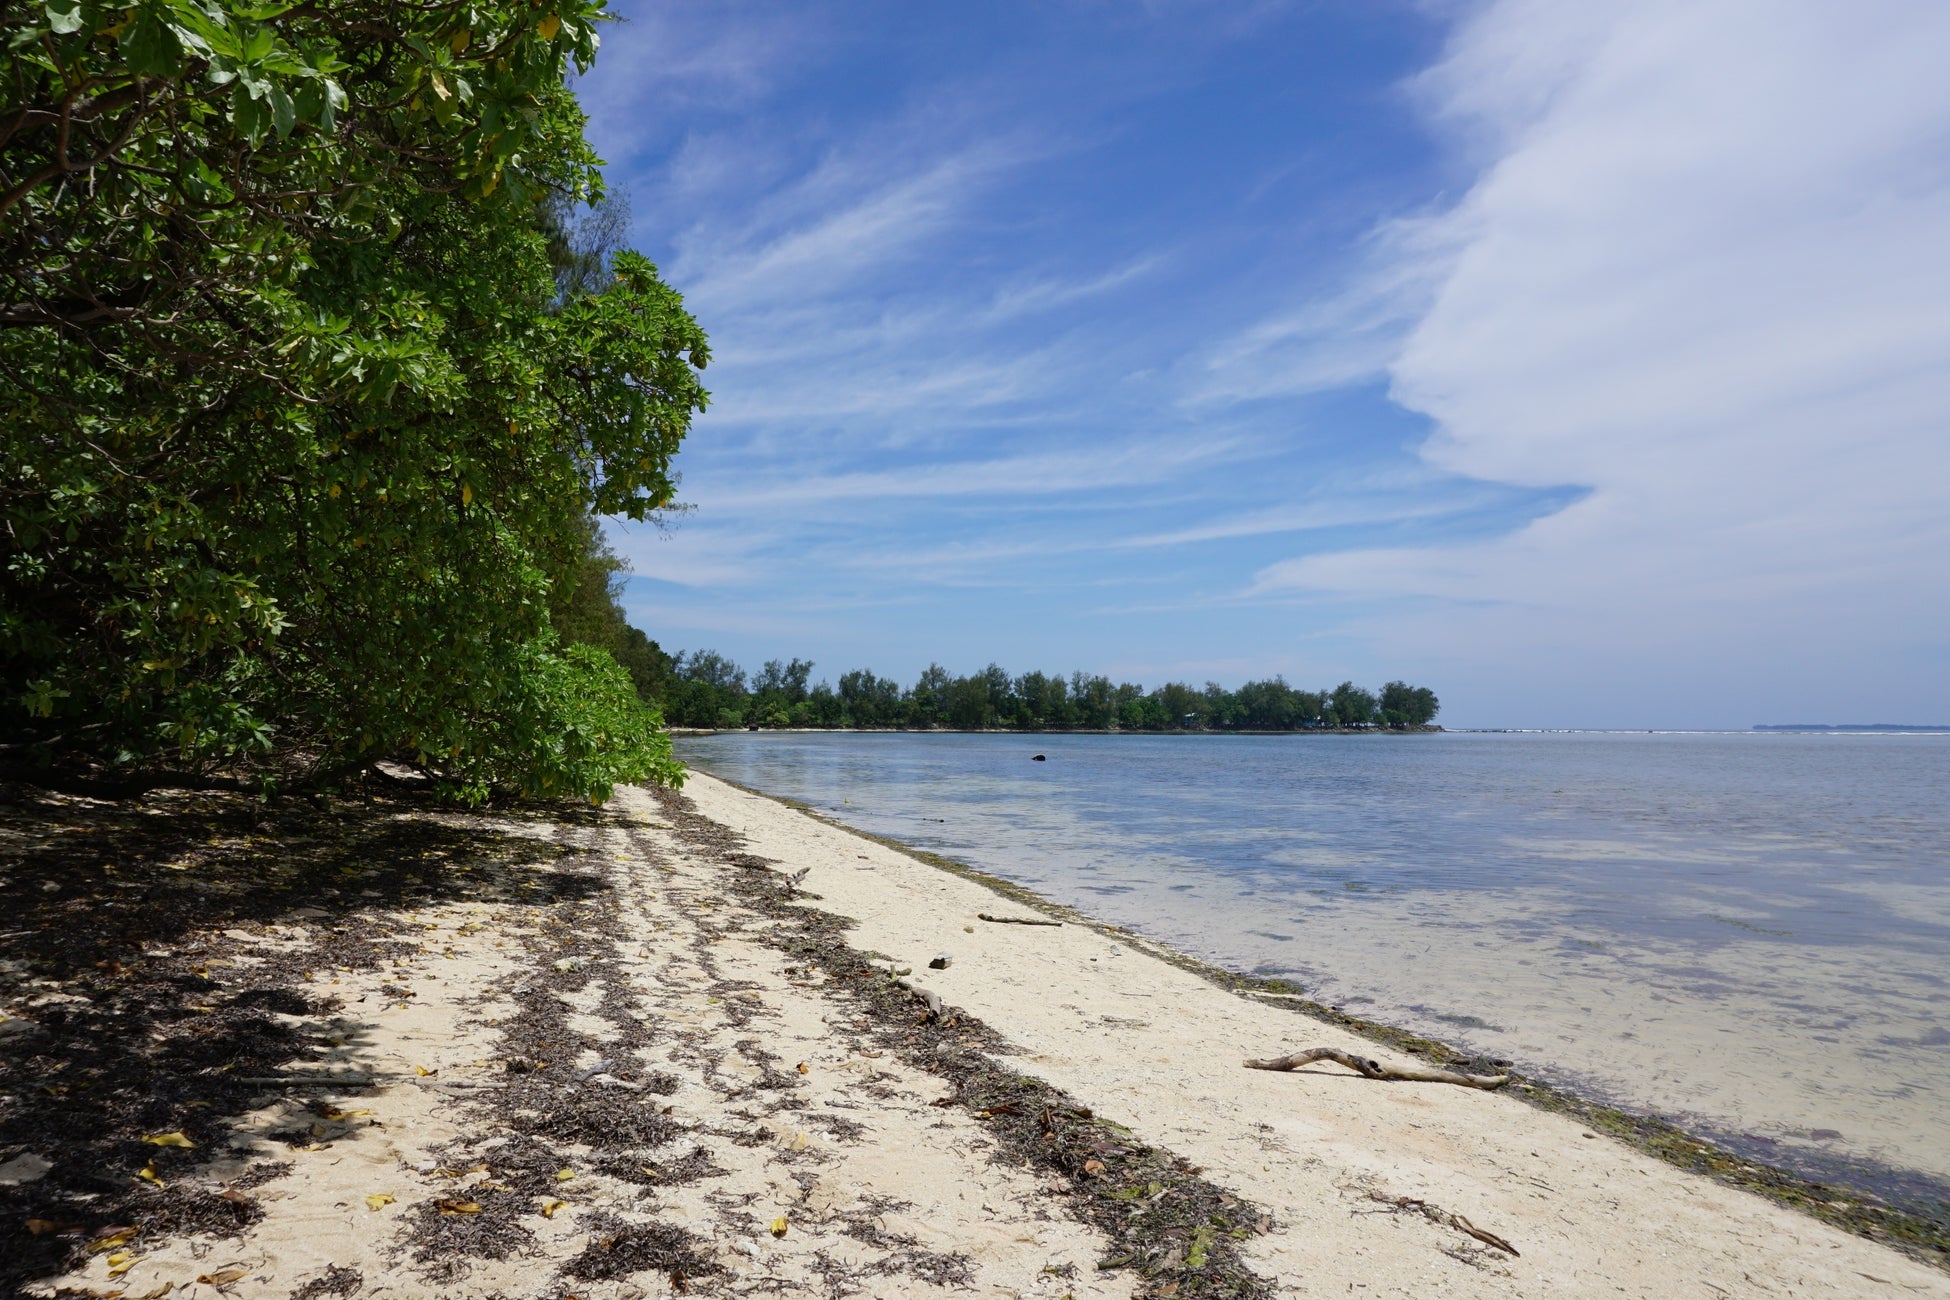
x=1367, y=1069
x=1015, y=920
x=928, y=996
x=1436, y=1214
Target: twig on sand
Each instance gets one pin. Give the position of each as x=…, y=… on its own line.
x=1436, y=1214
x=1362, y=1066
x=309, y=1081
x=1015, y=920
x=374, y=1081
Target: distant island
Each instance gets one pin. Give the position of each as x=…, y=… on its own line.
x=706, y=690
x=1851, y=726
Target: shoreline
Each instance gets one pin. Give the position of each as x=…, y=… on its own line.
x=691, y=1042
x=1902, y=1226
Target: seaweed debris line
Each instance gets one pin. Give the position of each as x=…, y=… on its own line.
x=694, y=1043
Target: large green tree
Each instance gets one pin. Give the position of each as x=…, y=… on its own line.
x=306, y=408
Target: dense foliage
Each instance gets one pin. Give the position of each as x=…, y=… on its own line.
x=311, y=391
x=706, y=689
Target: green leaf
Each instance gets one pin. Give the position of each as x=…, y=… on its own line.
x=284, y=113
x=150, y=46
x=251, y=118
x=259, y=43
x=64, y=16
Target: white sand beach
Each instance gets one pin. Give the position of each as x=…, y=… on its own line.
x=800, y=1150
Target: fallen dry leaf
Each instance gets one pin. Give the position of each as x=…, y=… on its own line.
x=333, y=1112
x=42, y=1227
x=778, y=1226
x=564, y=1175
x=804, y=1068
x=148, y=1174
x=110, y=1238
x=379, y=1200
x=121, y=1262
x=457, y=1207
x=234, y=1196
x=224, y=1276
x=158, y=1293
x=550, y=1207
x=422, y=1071
x=168, y=1140
x=1093, y=1167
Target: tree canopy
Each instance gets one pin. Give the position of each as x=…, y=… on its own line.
x=706, y=689
x=311, y=394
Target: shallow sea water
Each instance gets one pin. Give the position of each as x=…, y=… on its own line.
x=1749, y=933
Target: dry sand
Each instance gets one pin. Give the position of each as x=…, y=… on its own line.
x=721, y=1116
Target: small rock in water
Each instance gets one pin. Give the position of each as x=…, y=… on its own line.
x=1038, y=758
x=942, y=961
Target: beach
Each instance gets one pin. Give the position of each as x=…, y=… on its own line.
x=693, y=1043
x=1744, y=934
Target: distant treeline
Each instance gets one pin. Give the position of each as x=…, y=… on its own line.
x=705, y=689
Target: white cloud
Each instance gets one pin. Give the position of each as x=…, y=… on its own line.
x=1037, y=474
x=1703, y=274
x=863, y=220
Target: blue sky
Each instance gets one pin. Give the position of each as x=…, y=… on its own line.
x=1590, y=364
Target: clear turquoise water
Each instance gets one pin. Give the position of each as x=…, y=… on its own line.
x=1748, y=932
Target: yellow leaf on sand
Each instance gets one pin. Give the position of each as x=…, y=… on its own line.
x=550, y=1207
x=119, y=1237
x=422, y=1071
x=458, y=1207
x=778, y=1226
x=804, y=1068
x=148, y=1174
x=121, y=1262
x=547, y=28
x=379, y=1200
x=224, y=1276
x=564, y=1175
x=168, y=1140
